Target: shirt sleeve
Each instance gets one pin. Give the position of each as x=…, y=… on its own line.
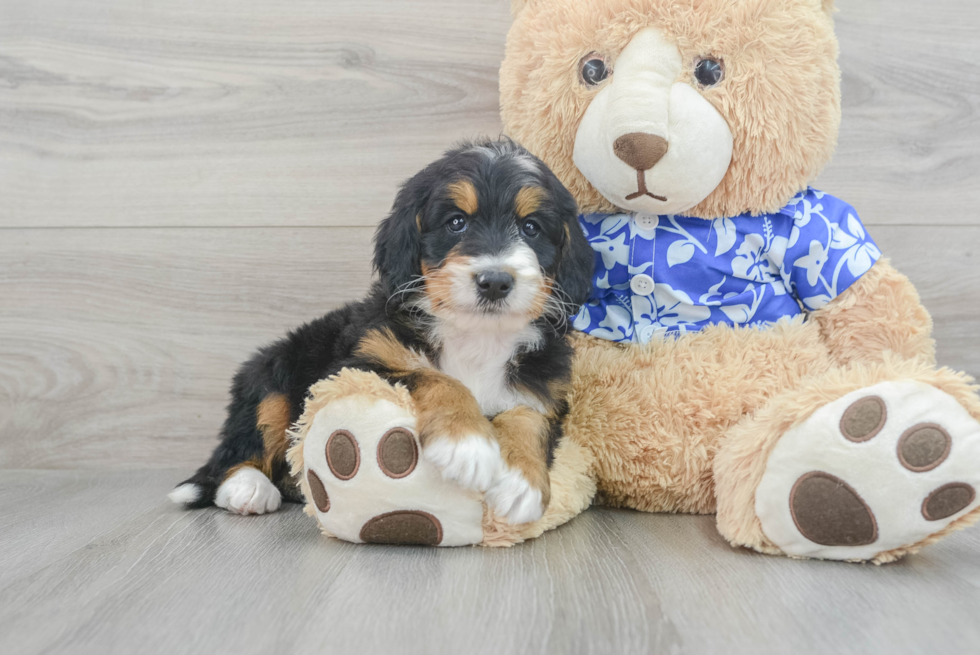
x=828, y=249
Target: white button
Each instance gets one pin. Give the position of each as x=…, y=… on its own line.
x=647, y=221
x=642, y=284
x=647, y=333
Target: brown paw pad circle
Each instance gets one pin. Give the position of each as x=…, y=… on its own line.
x=864, y=419
x=318, y=491
x=403, y=528
x=827, y=511
x=948, y=500
x=397, y=453
x=343, y=455
x=924, y=447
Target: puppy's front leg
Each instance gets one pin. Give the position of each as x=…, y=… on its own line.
x=455, y=435
x=523, y=490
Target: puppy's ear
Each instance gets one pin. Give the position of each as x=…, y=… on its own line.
x=398, y=240
x=577, y=262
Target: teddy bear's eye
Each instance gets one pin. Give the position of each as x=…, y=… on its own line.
x=593, y=69
x=709, y=72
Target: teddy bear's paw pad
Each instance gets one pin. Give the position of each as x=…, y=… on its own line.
x=397, y=453
x=366, y=482
x=318, y=492
x=473, y=461
x=515, y=499
x=924, y=447
x=343, y=455
x=248, y=491
x=879, y=469
x=947, y=500
x=403, y=527
x=827, y=511
x=863, y=419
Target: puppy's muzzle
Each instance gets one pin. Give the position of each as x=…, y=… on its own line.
x=494, y=285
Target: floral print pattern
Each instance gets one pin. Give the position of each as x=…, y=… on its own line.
x=659, y=275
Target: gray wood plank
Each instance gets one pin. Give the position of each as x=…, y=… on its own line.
x=167, y=581
x=235, y=112
x=255, y=112
x=909, y=144
x=119, y=345
x=49, y=514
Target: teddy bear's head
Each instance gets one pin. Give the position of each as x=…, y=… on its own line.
x=707, y=108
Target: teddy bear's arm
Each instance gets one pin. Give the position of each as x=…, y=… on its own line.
x=880, y=312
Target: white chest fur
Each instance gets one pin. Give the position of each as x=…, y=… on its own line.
x=479, y=360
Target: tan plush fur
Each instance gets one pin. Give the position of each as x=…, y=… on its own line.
x=686, y=424
x=655, y=415
x=781, y=95
x=741, y=461
x=880, y=313
x=347, y=383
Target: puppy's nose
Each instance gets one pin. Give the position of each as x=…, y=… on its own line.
x=640, y=150
x=494, y=285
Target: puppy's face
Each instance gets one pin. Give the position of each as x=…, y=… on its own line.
x=492, y=236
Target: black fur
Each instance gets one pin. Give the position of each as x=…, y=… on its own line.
x=498, y=170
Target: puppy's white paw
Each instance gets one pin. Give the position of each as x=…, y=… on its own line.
x=513, y=497
x=473, y=462
x=248, y=491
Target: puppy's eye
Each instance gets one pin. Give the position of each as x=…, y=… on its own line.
x=530, y=229
x=593, y=69
x=457, y=224
x=709, y=72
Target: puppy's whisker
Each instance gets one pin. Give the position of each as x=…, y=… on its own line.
x=414, y=285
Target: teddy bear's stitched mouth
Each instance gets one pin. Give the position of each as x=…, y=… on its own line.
x=641, y=184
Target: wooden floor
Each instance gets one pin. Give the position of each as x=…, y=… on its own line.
x=181, y=181
x=100, y=563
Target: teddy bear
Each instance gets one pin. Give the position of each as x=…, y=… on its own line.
x=747, y=350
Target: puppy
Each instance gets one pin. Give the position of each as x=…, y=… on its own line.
x=481, y=263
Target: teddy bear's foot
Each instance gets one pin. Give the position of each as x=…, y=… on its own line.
x=366, y=482
x=878, y=471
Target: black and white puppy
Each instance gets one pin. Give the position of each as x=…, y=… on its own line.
x=481, y=263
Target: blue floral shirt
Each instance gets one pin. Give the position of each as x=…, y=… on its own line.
x=672, y=274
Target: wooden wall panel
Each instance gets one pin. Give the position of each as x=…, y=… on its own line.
x=119, y=345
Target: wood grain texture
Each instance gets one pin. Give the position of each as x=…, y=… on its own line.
x=909, y=148
x=155, y=579
x=252, y=112
x=47, y=515
x=183, y=181
x=235, y=112
x=119, y=345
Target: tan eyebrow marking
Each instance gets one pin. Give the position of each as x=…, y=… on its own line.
x=528, y=200
x=418, y=221
x=463, y=193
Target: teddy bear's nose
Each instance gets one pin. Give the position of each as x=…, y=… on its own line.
x=640, y=150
